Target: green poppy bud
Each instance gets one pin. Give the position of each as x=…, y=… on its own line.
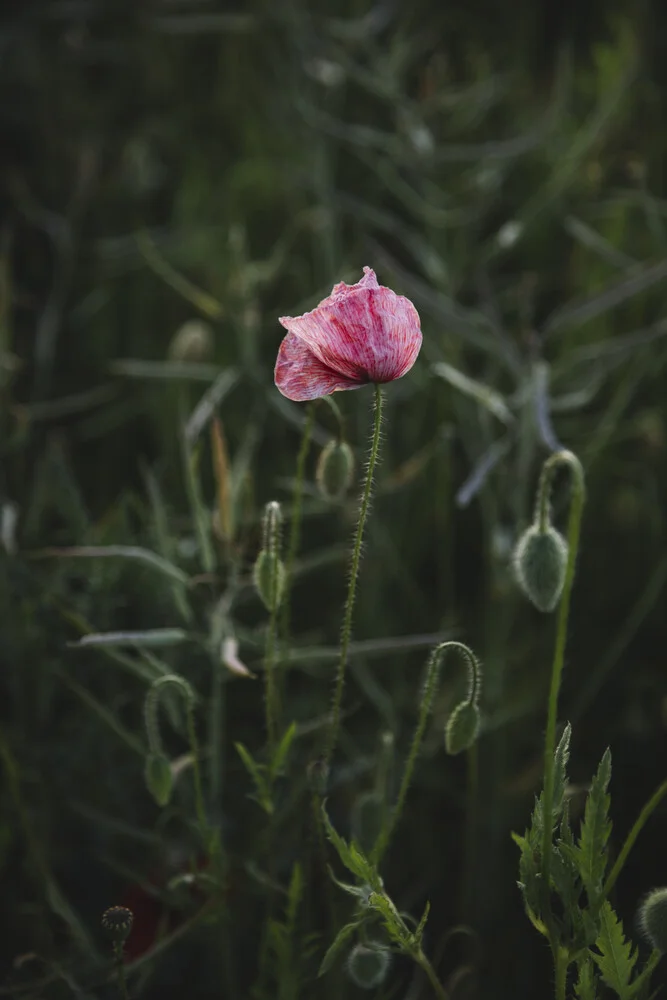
x=269, y=579
x=368, y=964
x=192, y=342
x=117, y=923
x=540, y=559
x=462, y=727
x=335, y=469
x=158, y=776
x=653, y=918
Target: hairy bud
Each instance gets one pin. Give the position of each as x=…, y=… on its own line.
x=540, y=559
x=335, y=469
x=192, y=342
x=368, y=964
x=158, y=776
x=462, y=727
x=653, y=918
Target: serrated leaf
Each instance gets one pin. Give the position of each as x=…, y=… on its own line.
x=617, y=957
x=255, y=772
x=390, y=918
x=585, y=987
x=591, y=851
x=351, y=856
x=282, y=750
x=421, y=926
x=561, y=757
x=341, y=939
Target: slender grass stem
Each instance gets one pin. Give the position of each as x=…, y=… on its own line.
x=574, y=529
x=196, y=774
x=120, y=970
x=295, y=522
x=637, y=828
x=354, y=573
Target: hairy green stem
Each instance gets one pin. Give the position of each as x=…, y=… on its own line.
x=424, y=964
x=574, y=529
x=562, y=960
x=272, y=698
x=637, y=828
x=120, y=969
x=352, y=586
x=295, y=523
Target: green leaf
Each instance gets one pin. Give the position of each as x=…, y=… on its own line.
x=585, y=987
x=282, y=750
x=255, y=771
x=617, y=958
x=591, y=851
x=341, y=939
x=483, y=394
x=151, y=637
x=421, y=926
x=131, y=552
x=561, y=758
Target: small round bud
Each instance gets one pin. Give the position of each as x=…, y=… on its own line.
x=653, y=918
x=269, y=579
x=335, y=469
x=117, y=923
x=366, y=819
x=462, y=727
x=368, y=964
x=540, y=559
x=192, y=342
x=318, y=776
x=158, y=776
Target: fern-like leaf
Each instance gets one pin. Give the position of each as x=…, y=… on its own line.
x=617, y=958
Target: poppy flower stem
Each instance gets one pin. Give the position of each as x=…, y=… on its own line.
x=354, y=573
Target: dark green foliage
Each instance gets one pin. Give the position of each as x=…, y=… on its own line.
x=177, y=176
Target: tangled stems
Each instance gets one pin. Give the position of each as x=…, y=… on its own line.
x=352, y=586
x=425, y=708
x=573, y=531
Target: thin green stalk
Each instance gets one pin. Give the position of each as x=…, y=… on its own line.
x=196, y=773
x=562, y=964
x=574, y=529
x=120, y=969
x=272, y=698
x=638, y=826
x=424, y=964
x=295, y=523
x=354, y=573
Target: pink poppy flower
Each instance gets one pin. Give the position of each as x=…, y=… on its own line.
x=361, y=333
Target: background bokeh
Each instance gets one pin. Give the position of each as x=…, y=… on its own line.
x=164, y=162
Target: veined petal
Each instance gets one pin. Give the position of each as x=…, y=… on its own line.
x=301, y=375
x=365, y=332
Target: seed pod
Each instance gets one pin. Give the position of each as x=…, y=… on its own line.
x=653, y=918
x=540, y=559
x=335, y=469
x=117, y=923
x=368, y=964
x=269, y=578
x=158, y=776
x=192, y=342
x=462, y=727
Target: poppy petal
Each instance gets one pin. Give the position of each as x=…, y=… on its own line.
x=301, y=375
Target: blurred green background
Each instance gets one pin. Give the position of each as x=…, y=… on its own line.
x=188, y=160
